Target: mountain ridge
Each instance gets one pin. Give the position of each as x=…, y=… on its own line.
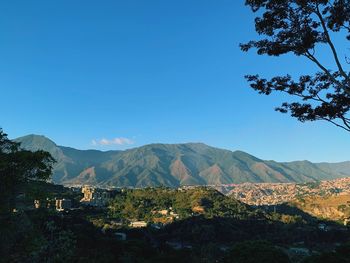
x=174, y=165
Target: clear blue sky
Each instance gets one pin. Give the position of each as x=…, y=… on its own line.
x=145, y=72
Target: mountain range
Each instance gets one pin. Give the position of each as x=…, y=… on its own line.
x=174, y=165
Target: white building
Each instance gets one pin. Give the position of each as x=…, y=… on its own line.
x=63, y=204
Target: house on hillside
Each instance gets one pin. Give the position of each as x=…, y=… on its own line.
x=63, y=204
x=37, y=204
x=138, y=224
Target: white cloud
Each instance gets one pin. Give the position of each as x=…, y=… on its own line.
x=115, y=141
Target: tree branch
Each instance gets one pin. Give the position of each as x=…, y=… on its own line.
x=315, y=60
x=345, y=122
x=336, y=124
x=331, y=45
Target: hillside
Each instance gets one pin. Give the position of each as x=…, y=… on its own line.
x=333, y=207
x=174, y=165
x=327, y=199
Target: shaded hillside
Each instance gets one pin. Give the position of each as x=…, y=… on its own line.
x=172, y=165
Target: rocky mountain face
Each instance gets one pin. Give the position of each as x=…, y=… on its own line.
x=174, y=165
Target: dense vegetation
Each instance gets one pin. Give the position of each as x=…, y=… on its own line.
x=142, y=203
x=185, y=225
x=205, y=226
x=17, y=167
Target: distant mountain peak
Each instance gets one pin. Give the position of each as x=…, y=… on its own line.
x=34, y=142
x=34, y=138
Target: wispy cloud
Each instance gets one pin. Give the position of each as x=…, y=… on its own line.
x=115, y=141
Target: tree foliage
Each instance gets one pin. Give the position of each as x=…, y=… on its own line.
x=256, y=252
x=340, y=255
x=299, y=27
x=17, y=167
x=141, y=203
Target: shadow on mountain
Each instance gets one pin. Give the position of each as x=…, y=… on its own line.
x=287, y=209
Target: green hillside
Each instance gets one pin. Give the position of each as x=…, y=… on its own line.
x=174, y=165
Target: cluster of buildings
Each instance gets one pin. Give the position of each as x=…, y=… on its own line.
x=96, y=197
x=57, y=204
x=277, y=193
x=163, y=217
x=91, y=197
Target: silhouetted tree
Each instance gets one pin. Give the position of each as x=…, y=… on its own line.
x=17, y=167
x=299, y=27
x=256, y=252
x=340, y=255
